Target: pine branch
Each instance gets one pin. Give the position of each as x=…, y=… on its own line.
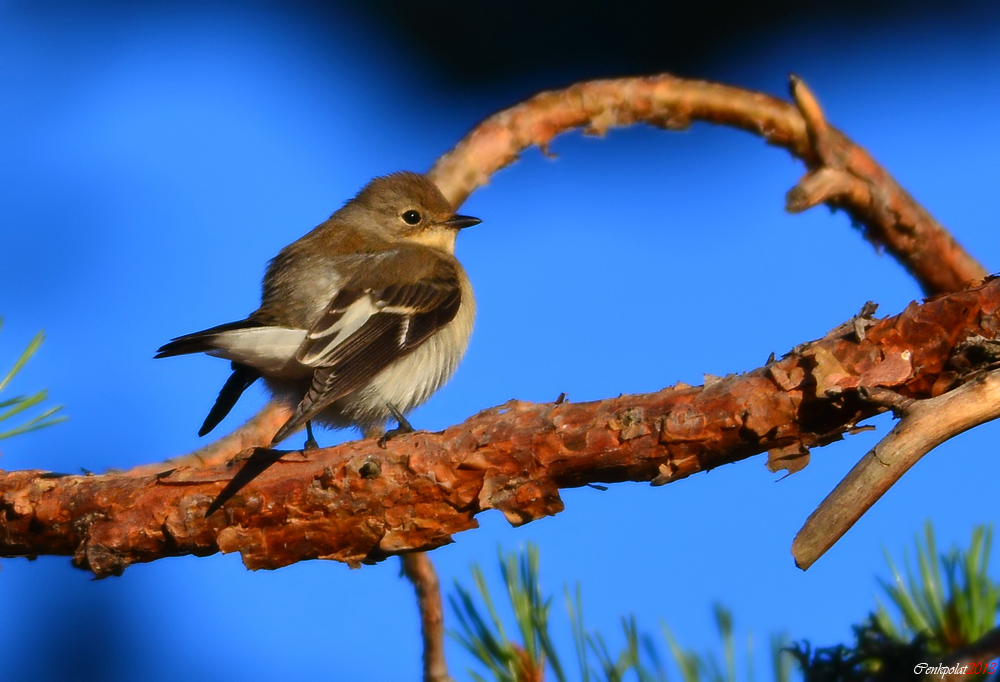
x=359, y=503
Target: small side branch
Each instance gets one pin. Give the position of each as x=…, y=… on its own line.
x=925, y=424
x=830, y=179
x=419, y=569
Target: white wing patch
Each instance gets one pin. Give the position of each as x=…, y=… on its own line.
x=268, y=349
x=353, y=318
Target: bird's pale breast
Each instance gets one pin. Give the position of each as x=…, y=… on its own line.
x=405, y=384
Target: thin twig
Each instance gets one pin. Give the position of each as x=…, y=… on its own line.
x=419, y=569
x=256, y=432
x=925, y=424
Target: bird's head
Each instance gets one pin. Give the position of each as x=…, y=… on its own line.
x=409, y=207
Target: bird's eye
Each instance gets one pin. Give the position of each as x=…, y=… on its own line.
x=411, y=217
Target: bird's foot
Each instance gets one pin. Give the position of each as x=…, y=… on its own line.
x=311, y=443
x=392, y=433
x=403, y=427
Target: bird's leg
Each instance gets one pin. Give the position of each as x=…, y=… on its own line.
x=311, y=443
x=403, y=426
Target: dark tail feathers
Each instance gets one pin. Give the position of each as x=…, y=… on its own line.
x=239, y=381
x=200, y=342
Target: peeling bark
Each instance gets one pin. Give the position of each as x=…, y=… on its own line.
x=358, y=503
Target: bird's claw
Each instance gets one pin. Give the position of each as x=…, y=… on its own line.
x=310, y=443
x=392, y=433
x=403, y=427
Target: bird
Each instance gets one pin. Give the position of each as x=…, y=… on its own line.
x=361, y=320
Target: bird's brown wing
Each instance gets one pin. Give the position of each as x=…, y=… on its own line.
x=367, y=327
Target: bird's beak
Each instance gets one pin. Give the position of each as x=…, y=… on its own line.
x=458, y=222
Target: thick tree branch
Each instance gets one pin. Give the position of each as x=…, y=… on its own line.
x=358, y=503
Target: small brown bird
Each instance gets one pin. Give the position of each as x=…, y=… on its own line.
x=360, y=321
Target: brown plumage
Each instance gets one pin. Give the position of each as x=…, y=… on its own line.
x=361, y=319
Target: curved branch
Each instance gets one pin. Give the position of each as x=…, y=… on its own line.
x=358, y=503
x=872, y=198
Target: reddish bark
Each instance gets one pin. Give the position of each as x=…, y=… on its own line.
x=358, y=503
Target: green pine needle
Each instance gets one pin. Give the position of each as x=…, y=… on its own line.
x=950, y=600
x=12, y=407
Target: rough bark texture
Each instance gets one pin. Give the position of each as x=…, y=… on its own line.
x=358, y=503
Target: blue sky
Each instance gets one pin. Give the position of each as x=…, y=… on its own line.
x=152, y=160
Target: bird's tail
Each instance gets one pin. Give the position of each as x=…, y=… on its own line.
x=239, y=381
x=204, y=341
x=213, y=341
